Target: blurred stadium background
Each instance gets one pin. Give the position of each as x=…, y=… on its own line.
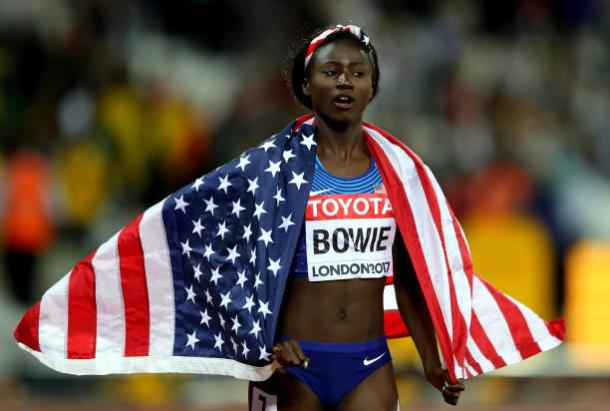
x=107, y=106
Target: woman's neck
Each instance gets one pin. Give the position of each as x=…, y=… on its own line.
x=341, y=142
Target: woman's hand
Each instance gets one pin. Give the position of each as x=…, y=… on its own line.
x=289, y=353
x=439, y=378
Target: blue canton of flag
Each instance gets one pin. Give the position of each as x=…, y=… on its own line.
x=231, y=236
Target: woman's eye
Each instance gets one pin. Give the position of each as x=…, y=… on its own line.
x=330, y=72
x=358, y=74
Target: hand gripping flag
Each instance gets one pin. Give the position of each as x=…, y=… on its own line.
x=195, y=283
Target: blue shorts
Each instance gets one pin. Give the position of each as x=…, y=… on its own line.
x=335, y=369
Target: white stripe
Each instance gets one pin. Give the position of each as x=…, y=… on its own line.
x=493, y=322
x=159, y=280
x=128, y=365
x=426, y=229
x=389, y=298
x=454, y=256
x=109, y=300
x=53, y=320
x=478, y=356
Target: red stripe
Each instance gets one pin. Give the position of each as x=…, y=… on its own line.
x=26, y=331
x=460, y=332
x=406, y=224
x=482, y=340
x=82, y=312
x=299, y=122
x=135, y=291
x=393, y=325
x=473, y=363
x=520, y=331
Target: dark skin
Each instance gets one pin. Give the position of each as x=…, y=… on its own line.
x=349, y=310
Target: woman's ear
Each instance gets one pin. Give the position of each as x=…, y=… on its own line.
x=305, y=86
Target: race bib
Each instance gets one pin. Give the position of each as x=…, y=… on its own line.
x=349, y=236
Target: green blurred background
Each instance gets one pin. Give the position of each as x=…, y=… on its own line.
x=106, y=106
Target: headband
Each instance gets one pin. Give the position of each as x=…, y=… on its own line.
x=356, y=31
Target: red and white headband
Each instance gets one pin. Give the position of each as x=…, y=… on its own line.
x=319, y=40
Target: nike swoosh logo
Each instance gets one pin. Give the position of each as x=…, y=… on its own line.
x=315, y=193
x=367, y=362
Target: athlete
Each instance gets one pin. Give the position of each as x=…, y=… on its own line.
x=330, y=340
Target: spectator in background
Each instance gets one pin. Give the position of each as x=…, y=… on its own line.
x=26, y=219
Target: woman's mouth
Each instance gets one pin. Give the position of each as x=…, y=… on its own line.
x=344, y=102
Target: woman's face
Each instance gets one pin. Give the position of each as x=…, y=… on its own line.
x=340, y=81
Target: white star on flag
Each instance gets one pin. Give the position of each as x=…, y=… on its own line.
x=237, y=208
x=264, y=354
x=236, y=323
x=186, y=248
x=208, y=297
x=225, y=300
x=243, y=162
x=256, y=328
x=257, y=281
x=222, y=230
x=274, y=265
x=208, y=252
x=247, y=232
x=263, y=308
x=253, y=257
x=197, y=272
x=278, y=196
x=205, y=318
x=297, y=179
x=198, y=183
x=267, y=145
x=253, y=185
x=287, y=154
x=260, y=210
x=181, y=204
x=233, y=254
x=245, y=349
x=192, y=340
x=308, y=141
x=249, y=303
x=190, y=294
x=241, y=278
x=235, y=345
x=210, y=205
x=215, y=275
x=266, y=236
x=197, y=227
x=222, y=320
x=218, y=341
x=224, y=183
x=274, y=167
x=286, y=222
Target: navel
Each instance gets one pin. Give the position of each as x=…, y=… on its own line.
x=342, y=314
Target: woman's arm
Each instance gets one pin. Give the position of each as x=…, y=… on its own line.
x=414, y=312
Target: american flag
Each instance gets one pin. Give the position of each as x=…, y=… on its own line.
x=196, y=282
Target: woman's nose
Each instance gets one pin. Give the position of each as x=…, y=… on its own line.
x=342, y=81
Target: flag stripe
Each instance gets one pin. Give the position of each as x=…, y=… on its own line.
x=540, y=331
x=418, y=233
x=159, y=281
x=135, y=293
x=109, y=296
x=27, y=329
x=82, y=315
x=483, y=341
x=53, y=320
x=494, y=322
x=472, y=365
x=516, y=323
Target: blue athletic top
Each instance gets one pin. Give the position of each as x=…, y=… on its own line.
x=325, y=183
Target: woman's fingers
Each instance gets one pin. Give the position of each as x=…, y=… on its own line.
x=451, y=392
x=289, y=353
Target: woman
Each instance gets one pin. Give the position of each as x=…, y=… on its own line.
x=331, y=343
